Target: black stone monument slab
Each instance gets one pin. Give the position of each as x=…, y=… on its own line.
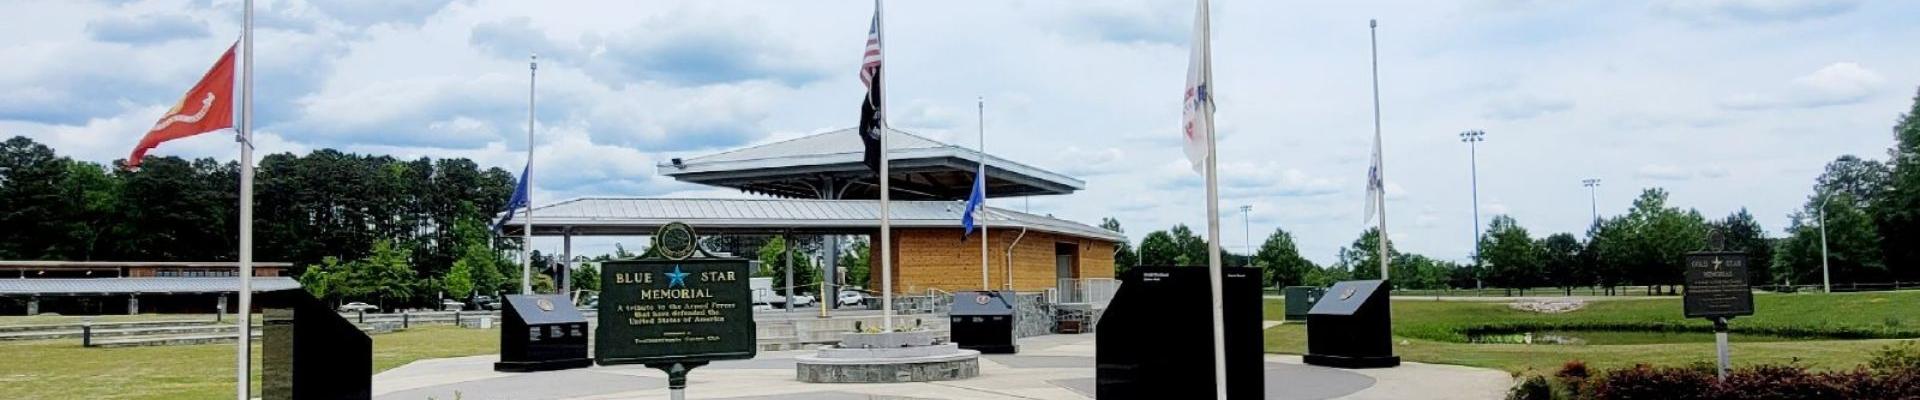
x=1300, y=300
x=1351, y=327
x=1156, y=336
x=541, y=332
x=308, y=351
x=983, y=321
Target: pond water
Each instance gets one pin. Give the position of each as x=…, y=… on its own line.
x=1608, y=337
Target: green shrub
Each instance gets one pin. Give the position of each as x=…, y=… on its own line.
x=1902, y=357
x=1646, y=382
x=1531, y=387
x=1786, y=382
x=1573, y=377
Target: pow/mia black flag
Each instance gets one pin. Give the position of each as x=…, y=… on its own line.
x=870, y=123
x=870, y=115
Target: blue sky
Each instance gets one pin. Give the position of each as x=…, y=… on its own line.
x=1724, y=103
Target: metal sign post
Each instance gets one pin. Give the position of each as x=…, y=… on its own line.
x=677, y=377
x=1718, y=290
x=1720, y=346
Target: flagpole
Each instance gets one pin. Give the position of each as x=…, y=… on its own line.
x=526, y=225
x=886, y=216
x=1379, y=162
x=1214, y=274
x=982, y=113
x=244, y=342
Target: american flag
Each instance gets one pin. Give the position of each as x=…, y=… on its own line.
x=872, y=120
x=871, y=63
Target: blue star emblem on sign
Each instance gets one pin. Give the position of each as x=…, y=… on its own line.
x=677, y=278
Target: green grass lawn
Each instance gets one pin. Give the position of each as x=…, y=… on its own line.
x=61, y=369
x=1820, y=331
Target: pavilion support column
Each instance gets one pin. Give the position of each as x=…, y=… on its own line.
x=830, y=273
x=33, y=305
x=788, y=240
x=133, y=304
x=566, y=264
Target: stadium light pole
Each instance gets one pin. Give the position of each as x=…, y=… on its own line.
x=1826, y=275
x=1472, y=138
x=1593, y=196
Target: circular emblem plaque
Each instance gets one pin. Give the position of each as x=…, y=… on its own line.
x=675, y=241
x=1345, y=294
x=543, y=304
x=982, y=299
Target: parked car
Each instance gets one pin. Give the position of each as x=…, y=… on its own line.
x=358, y=307
x=485, y=303
x=854, y=298
x=452, y=305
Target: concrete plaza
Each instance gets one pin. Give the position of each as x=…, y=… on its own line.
x=1048, y=367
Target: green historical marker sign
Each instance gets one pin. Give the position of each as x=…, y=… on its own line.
x=659, y=312
x=1717, y=285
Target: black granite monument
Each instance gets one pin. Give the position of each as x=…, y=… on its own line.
x=307, y=351
x=983, y=321
x=1351, y=327
x=1156, y=336
x=541, y=332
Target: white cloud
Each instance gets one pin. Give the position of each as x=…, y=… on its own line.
x=1494, y=207
x=146, y=28
x=1663, y=172
x=1082, y=163
x=1839, y=83
x=1271, y=179
x=1731, y=11
x=1524, y=107
x=1395, y=192
x=372, y=12
x=1670, y=172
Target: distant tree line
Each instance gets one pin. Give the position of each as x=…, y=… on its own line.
x=357, y=227
x=1871, y=210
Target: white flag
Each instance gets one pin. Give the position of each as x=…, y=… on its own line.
x=1376, y=186
x=1199, y=94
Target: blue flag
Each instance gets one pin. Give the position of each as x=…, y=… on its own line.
x=975, y=200
x=518, y=200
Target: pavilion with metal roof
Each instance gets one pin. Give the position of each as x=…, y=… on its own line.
x=819, y=185
x=829, y=166
x=636, y=216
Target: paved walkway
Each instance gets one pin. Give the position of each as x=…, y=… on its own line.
x=1048, y=367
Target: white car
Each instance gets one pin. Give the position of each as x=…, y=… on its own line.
x=853, y=298
x=357, y=307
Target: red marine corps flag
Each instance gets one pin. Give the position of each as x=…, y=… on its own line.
x=207, y=107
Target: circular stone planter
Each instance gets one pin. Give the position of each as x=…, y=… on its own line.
x=888, y=358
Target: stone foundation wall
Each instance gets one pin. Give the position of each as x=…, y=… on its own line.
x=889, y=373
x=1033, y=316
